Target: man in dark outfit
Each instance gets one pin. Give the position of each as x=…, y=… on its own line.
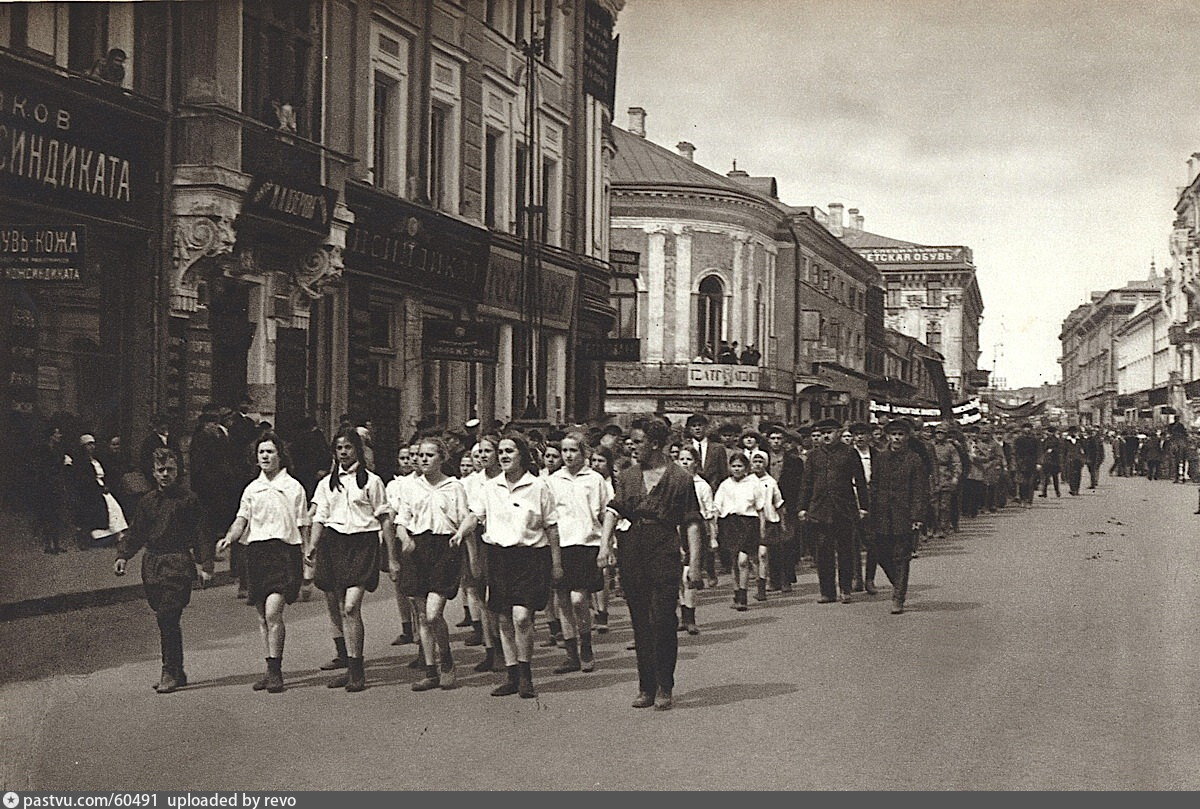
x=833, y=494
x=160, y=437
x=1051, y=460
x=788, y=469
x=1025, y=462
x=1073, y=459
x=899, y=502
x=1093, y=454
x=712, y=462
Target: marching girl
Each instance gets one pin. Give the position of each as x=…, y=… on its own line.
x=405, y=472
x=601, y=459
x=552, y=461
x=432, y=507
x=581, y=496
x=351, y=516
x=521, y=546
x=740, y=503
x=167, y=523
x=704, y=494
x=273, y=525
x=475, y=583
x=772, y=533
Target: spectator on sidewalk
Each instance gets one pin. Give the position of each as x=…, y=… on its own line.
x=49, y=490
x=97, y=512
x=160, y=437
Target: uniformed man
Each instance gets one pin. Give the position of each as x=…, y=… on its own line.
x=833, y=494
x=899, y=501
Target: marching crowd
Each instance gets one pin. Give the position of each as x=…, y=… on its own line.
x=561, y=522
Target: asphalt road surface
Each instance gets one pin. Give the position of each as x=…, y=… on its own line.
x=1055, y=648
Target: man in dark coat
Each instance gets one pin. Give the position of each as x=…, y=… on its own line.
x=833, y=494
x=788, y=470
x=1050, y=458
x=899, y=502
x=1025, y=464
x=1093, y=455
x=861, y=436
x=1073, y=459
x=712, y=462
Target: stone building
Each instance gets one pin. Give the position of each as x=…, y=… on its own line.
x=1181, y=296
x=1145, y=361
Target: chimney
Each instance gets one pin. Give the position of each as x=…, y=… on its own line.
x=835, y=218
x=859, y=222
x=735, y=171
x=852, y=221
x=637, y=121
x=686, y=149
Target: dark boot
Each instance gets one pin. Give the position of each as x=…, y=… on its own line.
x=601, y=621
x=358, y=679
x=509, y=686
x=525, y=681
x=689, y=620
x=555, y=634
x=274, y=678
x=761, y=595
x=406, y=634
x=466, y=621
x=587, y=661
x=488, y=662
x=338, y=662
x=476, y=638
x=572, y=662
x=167, y=683
x=429, y=681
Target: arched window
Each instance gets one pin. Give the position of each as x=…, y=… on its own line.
x=710, y=317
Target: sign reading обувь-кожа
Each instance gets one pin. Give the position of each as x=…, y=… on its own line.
x=42, y=252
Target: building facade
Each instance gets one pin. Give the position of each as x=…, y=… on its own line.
x=1146, y=363
x=1181, y=297
x=932, y=294
x=1089, y=351
x=81, y=218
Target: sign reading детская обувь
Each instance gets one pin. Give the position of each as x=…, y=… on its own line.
x=42, y=252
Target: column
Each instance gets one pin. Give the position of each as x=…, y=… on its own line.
x=683, y=294
x=412, y=406
x=504, y=368
x=737, y=303
x=556, y=372
x=655, y=278
x=260, y=359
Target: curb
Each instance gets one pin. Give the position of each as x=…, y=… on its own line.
x=66, y=602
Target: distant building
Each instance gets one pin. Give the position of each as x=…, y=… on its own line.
x=1145, y=362
x=1181, y=297
x=931, y=294
x=1089, y=351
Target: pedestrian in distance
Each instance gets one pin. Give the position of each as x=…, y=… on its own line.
x=272, y=524
x=656, y=499
x=352, y=518
x=1050, y=459
x=740, y=502
x=1026, y=464
x=167, y=524
x=522, y=551
x=1073, y=460
x=770, y=542
x=432, y=507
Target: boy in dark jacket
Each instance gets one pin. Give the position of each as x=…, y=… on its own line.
x=167, y=524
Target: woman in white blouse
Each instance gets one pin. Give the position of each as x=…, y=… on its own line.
x=704, y=494
x=351, y=519
x=483, y=456
x=273, y=525
x=432, y=507
x=521, y=544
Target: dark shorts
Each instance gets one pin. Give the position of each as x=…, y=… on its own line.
x=468, y=580
x=517, y=577
x=738, y=534
x=347, y=560
x=273, y=566
x=773, y=536
x=167, y=580
x=579, y=569
x=436, y=566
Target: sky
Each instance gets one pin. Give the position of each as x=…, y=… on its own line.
x=1051, y=137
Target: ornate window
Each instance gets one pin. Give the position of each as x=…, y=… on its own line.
x=281, y=80
x=710, y=316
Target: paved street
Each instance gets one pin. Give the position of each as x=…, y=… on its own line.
x=1047, y=649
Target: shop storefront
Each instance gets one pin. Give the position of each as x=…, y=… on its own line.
x=743, y=394
x=80, y=225
x=406, y=322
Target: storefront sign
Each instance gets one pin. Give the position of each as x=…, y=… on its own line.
x=42, y=252
x=611, y=349
x=708, y=375
x=403, y=242
x=916, y=255
x=504, y=290
x=599, y=54
x=69, y=149
x=461, y=341
x=721, y=407
x=291, y=202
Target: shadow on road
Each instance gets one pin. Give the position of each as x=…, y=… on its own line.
x=729, y=694
x=942, y=606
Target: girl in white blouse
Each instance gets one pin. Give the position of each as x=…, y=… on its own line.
x=273, y=523
x=483, y=455
x=352, y=518
x=740, y=504
x=704, y=494
x=405, y=472
x=772, y=534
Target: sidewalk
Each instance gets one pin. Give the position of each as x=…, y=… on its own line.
x=37, y=583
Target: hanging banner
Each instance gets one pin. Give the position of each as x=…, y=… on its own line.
x=967, y=412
